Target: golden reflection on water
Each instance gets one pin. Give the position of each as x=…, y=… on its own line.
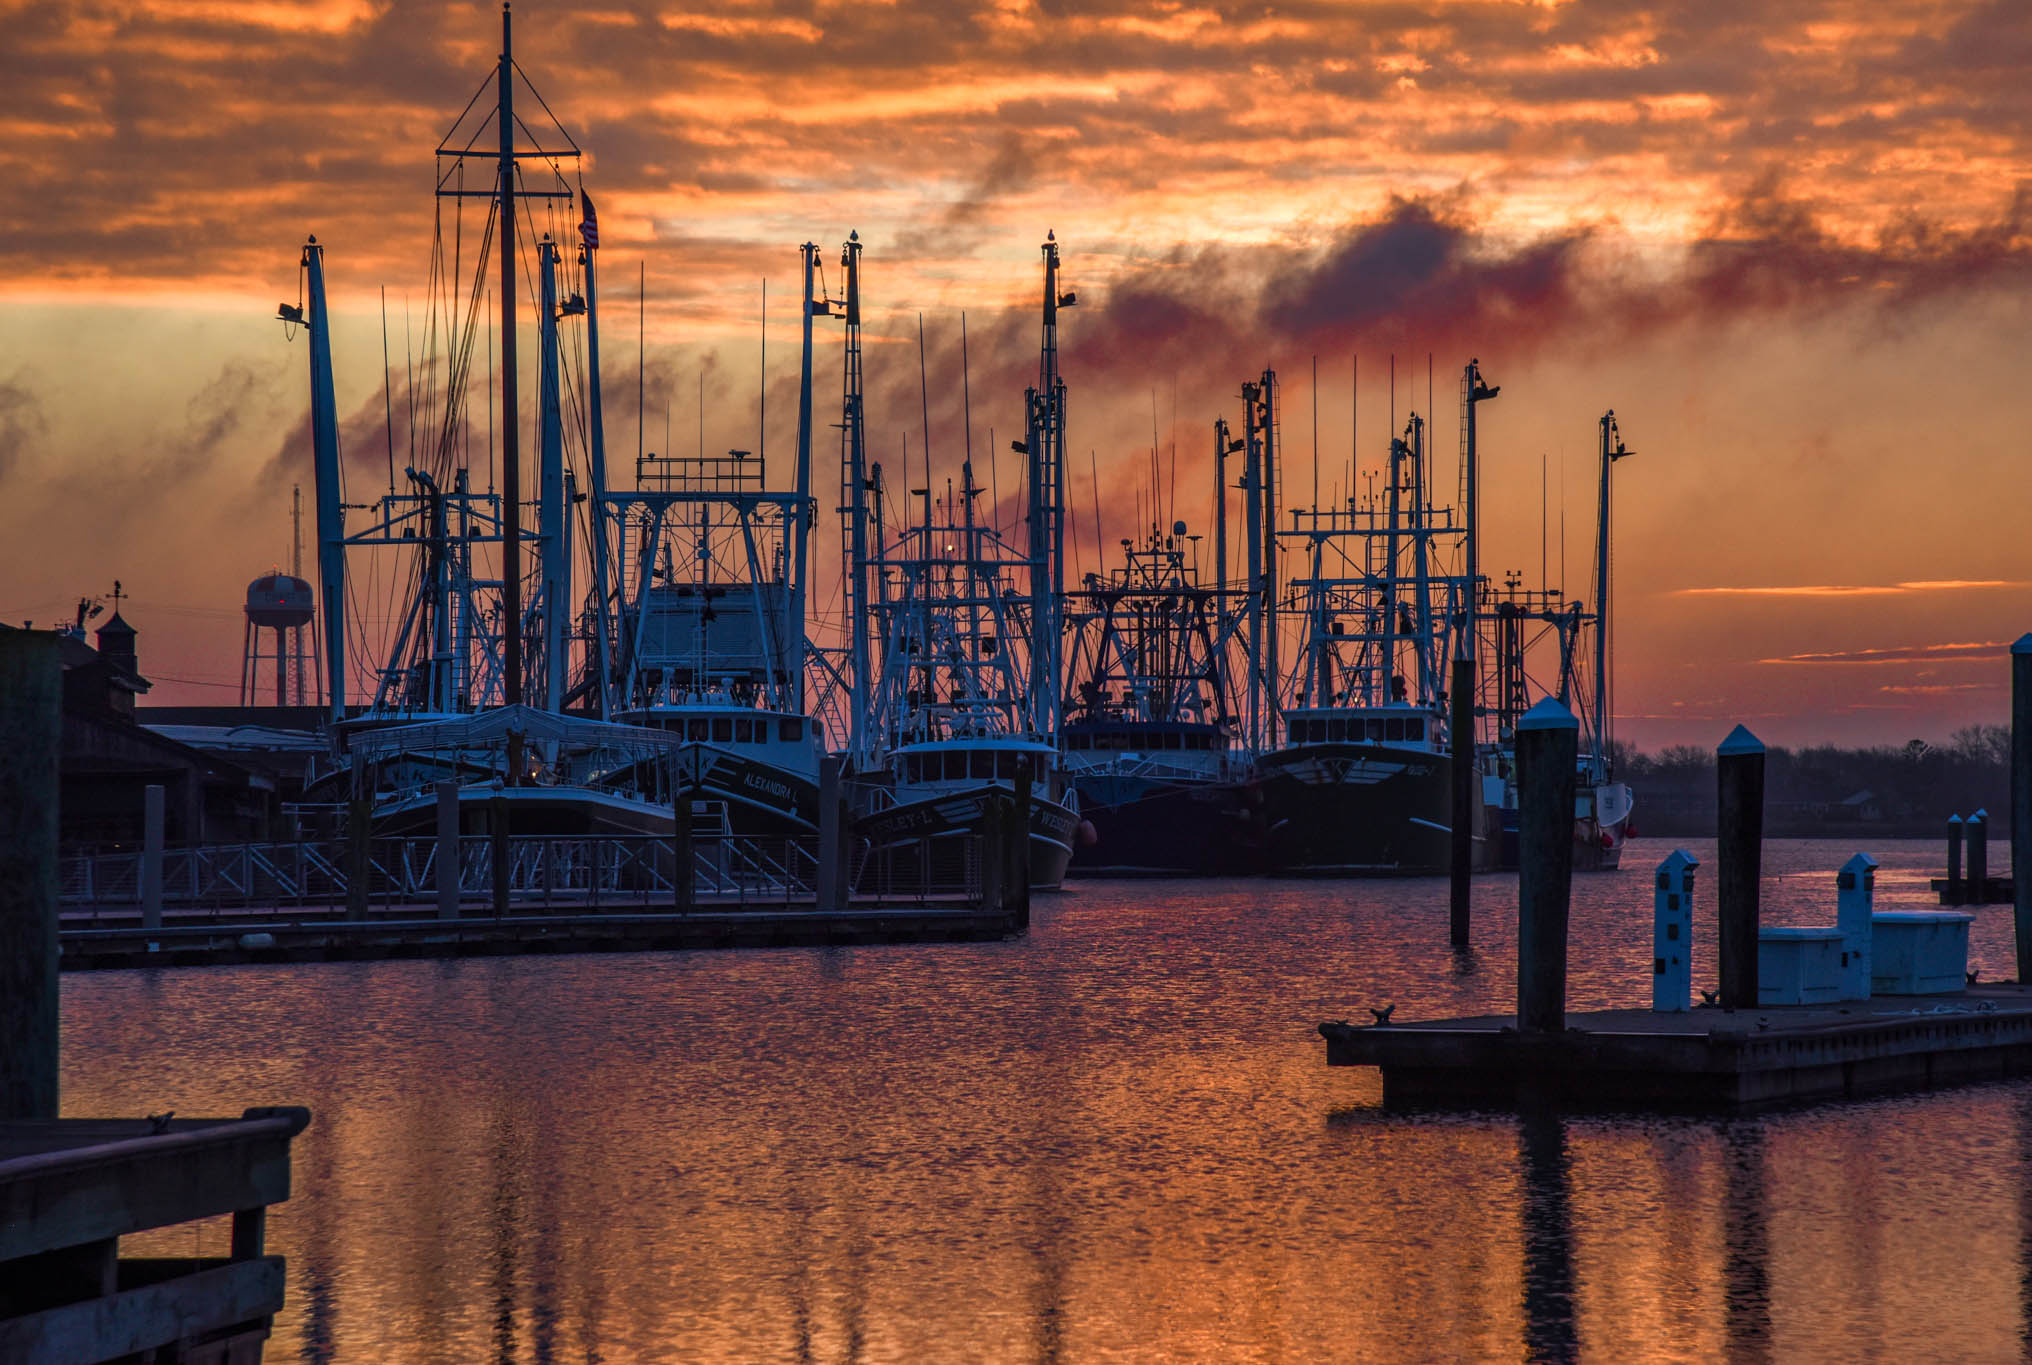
x=1116, y=1140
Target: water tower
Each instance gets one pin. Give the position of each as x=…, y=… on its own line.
x=282, y=603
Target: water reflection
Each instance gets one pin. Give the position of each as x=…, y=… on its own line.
x=1746, y=1260
x=1550, y=1332
x=1113, y=1140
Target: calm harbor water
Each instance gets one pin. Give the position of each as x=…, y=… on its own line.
x=1115, y=1140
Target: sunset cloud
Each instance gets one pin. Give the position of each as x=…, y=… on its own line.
x=1855, y=590
x=1903, y=654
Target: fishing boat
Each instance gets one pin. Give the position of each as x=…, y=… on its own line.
x=1358, y=776
x=1150, y=716
x=955, y=649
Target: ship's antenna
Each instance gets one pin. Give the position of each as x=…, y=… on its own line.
x=762, y=406
x=967, y=399
x=1094, y=464
x=1544, y=498
x=1315, y=433
x=387, y=395
x=924, y=416
x=490, y=409
x=1354, y=421
x=641, y=361
x=409, y=359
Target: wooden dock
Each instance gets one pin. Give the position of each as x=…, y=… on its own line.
x=1704, y=1061
x=71, y=1188
x=232, y=939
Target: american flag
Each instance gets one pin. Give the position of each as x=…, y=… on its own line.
x=589, y=226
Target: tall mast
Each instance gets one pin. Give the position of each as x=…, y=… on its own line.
x=1252, y=518
x=331, y=531
x=1272, y=682
x=854, y=506
x=1392, y=581
x=601, y=546
x=1044, y=444
x=511, y=444
x=554, y=559
x=1220, y=504
x=1612, y=450
x=794, y=638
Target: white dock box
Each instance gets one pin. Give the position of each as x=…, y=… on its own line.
x=1799, y=966
x=1919, y=952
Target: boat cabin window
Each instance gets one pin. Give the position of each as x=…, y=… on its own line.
x=1414, y=728
x=1393, y=728
x=983, y=766
x=1336, y=730
x=695, y=730
x=790, y=729
x=1375, y=729
x=723, y=729
x=744, y=730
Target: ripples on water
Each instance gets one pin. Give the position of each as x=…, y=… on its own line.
x=1115, y=1140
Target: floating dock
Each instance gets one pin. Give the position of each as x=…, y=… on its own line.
x=1704, y=1060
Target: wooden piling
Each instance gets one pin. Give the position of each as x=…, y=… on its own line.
x=448, y=849
x=826, y=878
x=31, y=733
x=151, y=856
x=359, y=855
x=1460, y=915
x=1017, y=849
x=1978, y=833
x=683, y=860
x=2021, y=800
x=1956, y=892
x=1739, y=851
x=500, y=851
x=1548, y=747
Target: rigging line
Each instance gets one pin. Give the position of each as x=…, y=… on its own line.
x=540, y=100
x=409, y=359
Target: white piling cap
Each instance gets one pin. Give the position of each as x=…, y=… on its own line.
x=1862, y=862
x=1954, y=819
x=1548, y=715
x=1678, y=860
x=1981, y=815
x=1741, y=741
x=2023, y=645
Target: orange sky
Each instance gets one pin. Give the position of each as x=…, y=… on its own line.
x=1791, y=246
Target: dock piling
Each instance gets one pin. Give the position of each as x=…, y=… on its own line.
x=1461, y=915
x=1672, y=935
x=1855, y=900
x=1956, y=892
x=31, y=721
x=1739, y=851
x=2021, y=801
x=448, y=849
x=683, y=860
x=1978, y=833
x=359, y=858
x=1548, y=746
x=151, y=856
x=826, y=878
x=1016, y=879
x=500, y=851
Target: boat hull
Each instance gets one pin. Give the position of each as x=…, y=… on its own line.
x=896, y=837
x=1360, y=810
x=1150, y=828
